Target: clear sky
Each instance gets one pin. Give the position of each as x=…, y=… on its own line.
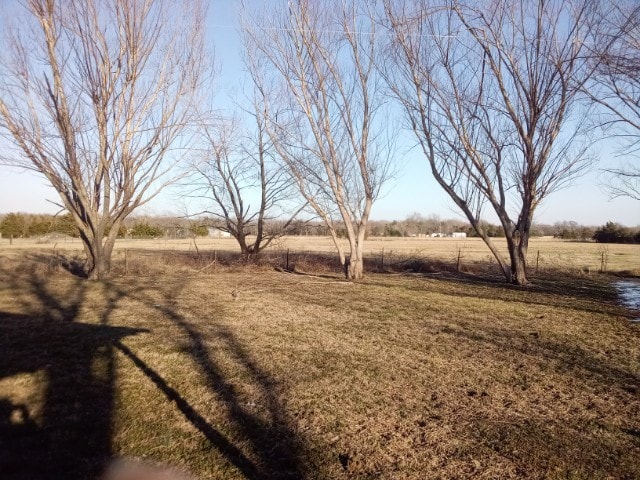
x=412, y=190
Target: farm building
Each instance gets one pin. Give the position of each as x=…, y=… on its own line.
x=459, y=235
x=217, y=233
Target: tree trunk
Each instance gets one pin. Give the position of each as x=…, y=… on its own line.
x=336, y=242
x=99, y=256
x=101, y=266
x=252, y=252
x=519, y=271
x=241, y=238
x=355, y=269
x=518, y=246
x=504, y=266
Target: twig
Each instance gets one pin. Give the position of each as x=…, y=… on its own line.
x=207, y=266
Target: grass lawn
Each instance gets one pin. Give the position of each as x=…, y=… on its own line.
x=257, y=374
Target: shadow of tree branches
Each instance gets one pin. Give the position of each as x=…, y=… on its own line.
x=273, y=444
x=70, y=436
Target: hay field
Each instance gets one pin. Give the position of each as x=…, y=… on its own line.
x=553, y=254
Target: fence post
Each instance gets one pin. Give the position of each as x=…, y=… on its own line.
x=537, y=260
x=287, y=259
x=382, y=260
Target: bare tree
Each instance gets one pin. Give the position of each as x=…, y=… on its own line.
x=236, y=168
x=490, y=90
x=615, y=45
x=314, y=64
x=97, y=97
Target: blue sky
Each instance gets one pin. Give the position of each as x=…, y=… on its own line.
x=412, y=190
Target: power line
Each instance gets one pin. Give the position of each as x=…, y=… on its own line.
x=350, y=32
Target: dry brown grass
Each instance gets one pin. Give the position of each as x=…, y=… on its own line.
x=554, y=255
x=249, y=373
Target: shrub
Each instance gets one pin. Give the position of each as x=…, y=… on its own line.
x=64, y=224
x=144, y=230
x=613, y=232
x=14, y=225
x=199, y=230
x=391, y=230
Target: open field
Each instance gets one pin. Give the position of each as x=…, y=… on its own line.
x=251, y=373
x=571, y=257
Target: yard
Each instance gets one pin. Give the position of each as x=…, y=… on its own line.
x=246, y=372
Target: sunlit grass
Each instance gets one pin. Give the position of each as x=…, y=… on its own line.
x=297, y=376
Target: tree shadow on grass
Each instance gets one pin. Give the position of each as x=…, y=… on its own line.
x=74, y=264
x=69, y=437
x=576, y=293
x=271, y=447
x=552, y=284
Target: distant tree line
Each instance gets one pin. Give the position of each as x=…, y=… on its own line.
x=573, y=231
x=23, y=225
x=416, y=225
x=613, y=232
